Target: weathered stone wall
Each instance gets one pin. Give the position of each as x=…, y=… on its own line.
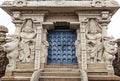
x=3, y=58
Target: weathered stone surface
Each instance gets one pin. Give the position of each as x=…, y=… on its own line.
x=28, y=50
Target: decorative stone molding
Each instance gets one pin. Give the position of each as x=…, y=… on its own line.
x=8, y=3
x=20, y=3
x=98, y=3
x=83, y=45
x=16, y=15
x=105, y=15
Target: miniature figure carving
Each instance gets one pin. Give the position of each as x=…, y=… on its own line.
x=45, y=45
x=77, y=45
x=11, y=47
x=27, y=42
x=109, y=50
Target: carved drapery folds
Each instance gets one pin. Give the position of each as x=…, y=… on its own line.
x=94, y=37
x=27, y=43
x=100, y=48
x=21, y=47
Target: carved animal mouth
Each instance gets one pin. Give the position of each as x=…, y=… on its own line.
x=8, y=40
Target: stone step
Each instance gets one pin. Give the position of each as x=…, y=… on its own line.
x=59, y=78
x=61, y=66
x=71, y=74
x=26, y=73
x=9, y=78
x=61, y=70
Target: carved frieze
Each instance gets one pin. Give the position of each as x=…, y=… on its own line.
x=98, y=3
x=20, y=3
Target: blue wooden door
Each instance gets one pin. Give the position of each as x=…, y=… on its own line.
x=61, y=46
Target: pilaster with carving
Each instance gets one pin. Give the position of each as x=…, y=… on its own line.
x=38, y=45
x=83, y=45
x=78, y=46
x=44, y=50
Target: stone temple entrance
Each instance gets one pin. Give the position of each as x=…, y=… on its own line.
x=62, y=46
x=60, y=40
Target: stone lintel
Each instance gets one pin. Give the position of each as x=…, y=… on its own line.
x=52, y=6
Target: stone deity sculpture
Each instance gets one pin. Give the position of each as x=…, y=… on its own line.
x=94, y=44
x=27, y=41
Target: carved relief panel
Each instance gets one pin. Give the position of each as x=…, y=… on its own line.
x=94, y=40
x=27, y=43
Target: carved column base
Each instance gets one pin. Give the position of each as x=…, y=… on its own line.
x=110, y=70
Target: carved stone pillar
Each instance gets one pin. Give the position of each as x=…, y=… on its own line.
x=83, y=45
x=44, y=49
x=16, y=17
x=38, y=45
x=39, y=38
x=104, y=29
x=78, y=46
x=18, y=28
